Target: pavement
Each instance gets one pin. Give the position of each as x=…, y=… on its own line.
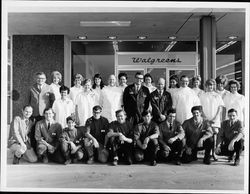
x=196, y=177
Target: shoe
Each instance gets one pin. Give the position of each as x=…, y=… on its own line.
x=207, y=160
x=129, y=162
x=178, y=162
x=194, y=157
x=16, y=160
x=230, y=158
x=214, y=157
x=153, y=163
x=67, y=161
x=74, y=160
x=115, y=162
x=237, y=162
x=45, y=159
x=90, y=160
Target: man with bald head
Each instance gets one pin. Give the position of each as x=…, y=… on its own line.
x=111, y=99
x=161, y=102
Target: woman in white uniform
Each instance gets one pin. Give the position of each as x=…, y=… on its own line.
x=56, y=77
x=196, y=82
x=77, y=88
x=184, y=99
x=111, y=99
x=212, y=104
x=235, y=100
x=123, y=77
x=97, y=86
x=85, y=101
x=174, y=85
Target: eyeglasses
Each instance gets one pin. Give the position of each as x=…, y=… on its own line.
x=139, y=77
x=97, y=112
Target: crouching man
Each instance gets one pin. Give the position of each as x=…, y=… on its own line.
x=96, y=129
x=146, y=138
x=47, y=133
x=198, y=136
x=69, y=142
x=120, y=136
x=19, y=141
x=231, y=137
x=170, y=139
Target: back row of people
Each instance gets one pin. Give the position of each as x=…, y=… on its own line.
x=120, y=140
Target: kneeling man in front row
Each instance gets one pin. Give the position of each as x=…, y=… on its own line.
x=198, y=136
x=170, y=139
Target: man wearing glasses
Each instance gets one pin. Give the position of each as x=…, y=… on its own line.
x=136, y=99
x=96, y=129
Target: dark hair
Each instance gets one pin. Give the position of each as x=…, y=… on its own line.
x=234, y=82
x=146, y=112
x=64, y=88
x=138, y=73
x=221, y=79
x=122, y=75
x=94, y=84
x=119, y=111
x=171, y=110
x=96, y=108
x=199, y=108
x=174, y=77
x=70, y=119
x=148, y=75
x=46, y=109
x=232, y=110
x=184, y=76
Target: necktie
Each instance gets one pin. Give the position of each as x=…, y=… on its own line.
x=231, y=123
x=48, y=125
x=170, y=126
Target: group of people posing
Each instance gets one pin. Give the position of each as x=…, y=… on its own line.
x=129, y=123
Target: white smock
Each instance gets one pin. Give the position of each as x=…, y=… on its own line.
x=74, y=91
x=62, y=110
x=98, y=92
x=223, y=93
x=56, y=90
x=236, y=101
x=183, y=100
x=198, y=91
x=210, y=102
x=111, y=101
x=85, y=101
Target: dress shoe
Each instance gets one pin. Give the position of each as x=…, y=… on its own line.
x=16, y=160
x=178, y=162
x=45, y=159
x=90, y=160
x=207, y=160
x=67, y=161
x=115, y=162
x=236, y=162
x=153, y=163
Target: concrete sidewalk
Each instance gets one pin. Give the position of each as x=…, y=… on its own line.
x=196, y=176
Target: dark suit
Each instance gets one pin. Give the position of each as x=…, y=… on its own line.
x=160, y=104
x=135, y=103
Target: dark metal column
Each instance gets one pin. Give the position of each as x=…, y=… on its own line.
x=207, y=48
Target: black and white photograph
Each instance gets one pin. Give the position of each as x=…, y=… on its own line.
x=125, y=96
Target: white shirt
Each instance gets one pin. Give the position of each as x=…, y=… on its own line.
x=172, y=91
x=151, y=88
x=74, y=91
x=85, y=101
x=63, y=109
x=98, y=92
x=183, y=100
x=222, y=93
x=236, y=101
x=111, y=101
x=210, y=102
x=198, y=91
x=56, y=90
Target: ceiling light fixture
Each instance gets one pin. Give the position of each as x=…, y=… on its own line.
x=232, y=37
x=170, y=46
x=105, y=23
x=225, y=46
x=172, y=37
x=112, y=37
x=142, y=37
x=82, y=37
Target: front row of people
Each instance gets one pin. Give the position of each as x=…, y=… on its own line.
x=120, y=141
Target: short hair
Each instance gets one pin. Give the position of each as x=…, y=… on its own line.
x=56, y=74
x=210, y=82
x=97, y=107
x=119, y=111
x=138, y=73
x=232, y=110
x=221, y=79
x=40, y=73
x=199, y=108
x=86, y=81
x=171, y=110
x=234, y=82
x=27, y=105
x=196, y=78
x=122, y=75
x=64, y=88
x=98, y=75
x=70, y=119
x=78, y=76
x=46, y=109
x=184, y=76
x=148, y=75
x=146, y=112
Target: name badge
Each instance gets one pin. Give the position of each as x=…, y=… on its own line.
x=131, y=92
x=236, y=132
x=102, y=131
